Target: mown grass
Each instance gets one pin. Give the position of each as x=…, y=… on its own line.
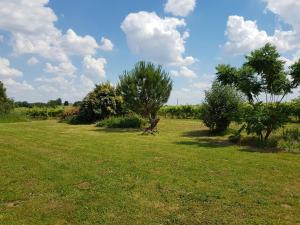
x=54, y=173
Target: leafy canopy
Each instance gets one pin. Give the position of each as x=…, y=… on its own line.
x=262, y=75
x=145, y=89
x=220, y=107
x=6, y=104
x=265, y=82
x=99, y=104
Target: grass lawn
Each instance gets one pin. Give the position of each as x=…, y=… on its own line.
x=54, y=173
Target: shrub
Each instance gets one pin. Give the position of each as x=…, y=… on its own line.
x=132, y=121
x=290, y=141
x=181, y=112
x=44, y=112
x=262, y=119
x=103, y=102
x=70, y=115
x=221, y=107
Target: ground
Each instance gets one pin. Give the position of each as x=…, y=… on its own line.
x=54, y=173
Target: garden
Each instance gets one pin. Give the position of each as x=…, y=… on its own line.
x=122, y=156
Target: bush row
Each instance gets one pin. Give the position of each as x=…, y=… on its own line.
x=130, y=121
x=182, y=112
x=42, y=112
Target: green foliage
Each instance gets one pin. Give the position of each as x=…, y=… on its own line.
x=66, y=103
x=262, y=78
x=262, y=119
x=13, y=117
x=220, y=107
x=70, y=115
x=290, y=140
x=131, y=121
x=54, y=103
x=181, y=111
x=103, y=102
x=44, y=112
x=145, y=89
x=6, y=104
x=294, y=108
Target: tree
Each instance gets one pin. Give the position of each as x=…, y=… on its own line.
x=54, y=103
x=265, y=82
x=6, y=104
x=2, y=92
x=145, y=89
x=220, y=107
x=66, y=103
x=101, y=103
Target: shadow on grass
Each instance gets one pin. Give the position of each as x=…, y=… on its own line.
x=205, y=139
x=205, y=143
x=118, y=130
x=197, y=133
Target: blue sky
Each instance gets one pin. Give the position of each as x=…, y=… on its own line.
x=55, y=48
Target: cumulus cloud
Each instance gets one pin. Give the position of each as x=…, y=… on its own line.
x=32, y=61
x=184, y=72
x=32, y=30
x=87, y=82
x=64, y=68
x=180, y=7
x=156, y=39
x=17, y=87
x=7, y=71
x=74, y=44
x=244, y=35
x=95, y=66
x=106, y=44
x=32, y=25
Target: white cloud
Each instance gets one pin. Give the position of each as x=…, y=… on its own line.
x=180, y=7
x=87, y=82
x=244, y=35
x=74, y=44
x=32, y=25
x=6, y=70
x=64, y=68
x=288, y=10
x=32, y=61
x=184, y=72
x=106, y=44
x=95, y=66
x=156, y=39
x=17, y=87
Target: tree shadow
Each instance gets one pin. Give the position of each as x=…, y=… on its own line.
x=118, y=130
x=205, y=143
x=197, y=133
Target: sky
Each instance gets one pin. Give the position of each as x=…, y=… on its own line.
x=62, y=48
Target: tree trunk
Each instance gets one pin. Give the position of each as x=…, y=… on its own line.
x=269, y=131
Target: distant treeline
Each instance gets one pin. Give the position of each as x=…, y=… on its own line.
x=51, y=103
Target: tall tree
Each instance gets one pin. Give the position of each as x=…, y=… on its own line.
x=2, y=92
x=6, y=104
x=265, y=82
x=145, y=89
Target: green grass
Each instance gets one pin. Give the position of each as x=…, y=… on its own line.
x=54, y=173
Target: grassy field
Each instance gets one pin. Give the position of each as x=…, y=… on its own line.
x=54, y=173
